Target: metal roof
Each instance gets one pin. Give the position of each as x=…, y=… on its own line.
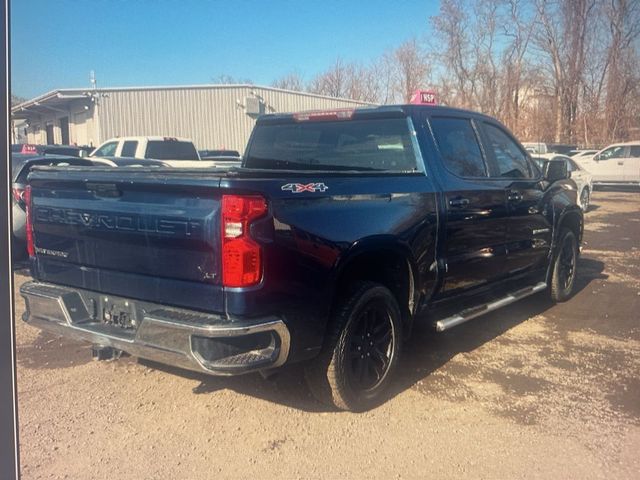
x=49, y=100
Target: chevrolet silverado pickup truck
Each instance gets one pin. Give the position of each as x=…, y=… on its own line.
x=339, y=229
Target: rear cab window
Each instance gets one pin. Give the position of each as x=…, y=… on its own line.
x=459, y=147
x=367, y=144
x=510, y=161
x=129, y=148
x=171, y=150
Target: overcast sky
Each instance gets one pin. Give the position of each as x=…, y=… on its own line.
x=56, y=43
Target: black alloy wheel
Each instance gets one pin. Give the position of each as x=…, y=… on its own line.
x=371, y=347
x=564, y=267
x=361, y=350
x=584, y=199
x=567, y=263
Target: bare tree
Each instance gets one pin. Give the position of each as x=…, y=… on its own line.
x=551, y=70
x=517, y=28
x=562, y=43
x=468, y=51
x=224, y=79
x=331, y=82
x=410, y=68
x=290, y=81
x=16, y=100
x=622, y=63
x=347, y=80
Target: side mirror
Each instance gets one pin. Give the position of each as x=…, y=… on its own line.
x=596, y=158
x=555, y=170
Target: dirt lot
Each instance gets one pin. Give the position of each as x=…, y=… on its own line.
x=533, y=391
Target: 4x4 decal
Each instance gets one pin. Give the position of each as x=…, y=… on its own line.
x=302, y=187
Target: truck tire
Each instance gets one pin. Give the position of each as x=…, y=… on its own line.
x=584, y=199
x=361, y=350
x=563, y=275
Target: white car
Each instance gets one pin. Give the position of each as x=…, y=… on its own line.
x=617, y=164
x=582, y=178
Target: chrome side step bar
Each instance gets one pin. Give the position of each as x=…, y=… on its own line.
x=473, y=312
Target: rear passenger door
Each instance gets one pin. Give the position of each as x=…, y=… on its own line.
x=129, y=148
x=632, y=165
x=475, y=229
x=528, y=231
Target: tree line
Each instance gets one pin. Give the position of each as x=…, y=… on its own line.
x=551, y=70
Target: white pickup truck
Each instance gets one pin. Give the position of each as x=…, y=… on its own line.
x=171, y=150
x=617, y=164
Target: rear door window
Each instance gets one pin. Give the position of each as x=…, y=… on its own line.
x=634, y=151
x=171, y=150
x=510, y=160
x=459, y=146
x=129, y=148
x=366, y=144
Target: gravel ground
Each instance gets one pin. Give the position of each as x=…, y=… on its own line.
x=532, y=391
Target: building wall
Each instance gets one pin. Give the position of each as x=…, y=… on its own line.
x=213, y=117
x=82, y=126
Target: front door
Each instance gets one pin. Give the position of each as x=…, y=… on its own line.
x=608, y=166
x=528, y=231
x=473, y=245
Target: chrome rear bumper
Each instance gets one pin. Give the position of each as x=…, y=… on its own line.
x=184, y=338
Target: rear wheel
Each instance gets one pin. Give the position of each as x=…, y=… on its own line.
x=362, y=350
x=563, y=275
x=584, y=199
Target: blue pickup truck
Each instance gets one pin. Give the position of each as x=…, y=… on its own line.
x=339, y=229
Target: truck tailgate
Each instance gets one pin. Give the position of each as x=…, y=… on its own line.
x=151, y=236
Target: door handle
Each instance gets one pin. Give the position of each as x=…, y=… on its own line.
x=459, y=202
x=620, y=163
x=514, y=196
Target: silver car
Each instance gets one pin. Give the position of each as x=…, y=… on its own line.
x=582, y=178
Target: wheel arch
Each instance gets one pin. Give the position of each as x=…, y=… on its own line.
x=384, y=260
x=573, y=219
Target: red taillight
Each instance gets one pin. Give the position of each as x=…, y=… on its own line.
x=27, y=200
x=18, y=194
x=241, y=255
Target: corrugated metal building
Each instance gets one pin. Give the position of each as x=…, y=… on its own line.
x=213, y=116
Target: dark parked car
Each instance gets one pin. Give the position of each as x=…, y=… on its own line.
x=68, y=150
x=215, y=154
x=339, y=230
